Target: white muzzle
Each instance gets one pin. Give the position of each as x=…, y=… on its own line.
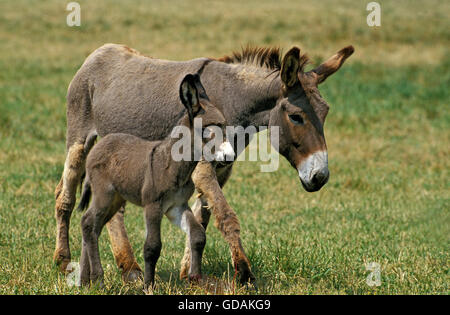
x=225, y=153
x=313, y=171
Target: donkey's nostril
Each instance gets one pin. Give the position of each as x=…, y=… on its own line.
x=321, y=177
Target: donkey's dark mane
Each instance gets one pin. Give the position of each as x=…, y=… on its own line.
x=269, y=57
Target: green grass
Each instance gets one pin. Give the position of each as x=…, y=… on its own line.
x=388, y=137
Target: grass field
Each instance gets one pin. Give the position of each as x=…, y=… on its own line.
x=388, y=135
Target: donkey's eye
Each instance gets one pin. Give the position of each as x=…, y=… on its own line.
x=296, y=119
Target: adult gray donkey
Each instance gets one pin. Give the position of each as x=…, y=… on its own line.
x=118, y=90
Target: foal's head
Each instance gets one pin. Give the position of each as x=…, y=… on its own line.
x=205, y=119
x=300, y=113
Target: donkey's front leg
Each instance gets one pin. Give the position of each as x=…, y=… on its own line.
x=121, y=247
x=152, y=247
x=206, y=182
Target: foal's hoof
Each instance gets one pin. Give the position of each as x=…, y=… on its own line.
x=132, y=276
x=88, y=283
x=85, y=282
x=98, y=283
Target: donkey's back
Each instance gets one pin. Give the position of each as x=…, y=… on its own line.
x=119, y=90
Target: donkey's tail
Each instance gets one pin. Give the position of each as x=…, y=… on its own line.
x=85, y=195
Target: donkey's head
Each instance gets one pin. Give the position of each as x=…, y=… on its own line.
x=205, y=119
x=300, y=113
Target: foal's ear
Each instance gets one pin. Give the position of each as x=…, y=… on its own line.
x=189, y=95
x=333, y=64
x=290, y=66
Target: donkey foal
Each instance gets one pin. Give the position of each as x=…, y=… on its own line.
x=124, y=168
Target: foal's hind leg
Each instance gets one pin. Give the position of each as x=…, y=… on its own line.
x=105, y=204
x=121, y=247
x=65, y=201
x=196, y=237
x=202, y=214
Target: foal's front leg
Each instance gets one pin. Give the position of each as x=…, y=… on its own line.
x=85, y=267
x=152, y=247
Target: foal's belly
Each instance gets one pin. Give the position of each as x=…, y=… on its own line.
x=175, y=205
x=178, y=198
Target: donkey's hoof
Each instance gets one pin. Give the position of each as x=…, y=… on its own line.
x=251, y=286
x=247, y=279
x=246, y=275
x=131, y=276
x=195, y=278
x=62, y=262
x=184, y=273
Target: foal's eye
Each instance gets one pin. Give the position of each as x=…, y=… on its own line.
x=296, y=119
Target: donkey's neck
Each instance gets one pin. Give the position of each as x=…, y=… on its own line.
x=245, y=92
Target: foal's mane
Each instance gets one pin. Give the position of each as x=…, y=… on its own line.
x=268, y=57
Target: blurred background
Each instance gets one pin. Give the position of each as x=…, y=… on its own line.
x=387, y=132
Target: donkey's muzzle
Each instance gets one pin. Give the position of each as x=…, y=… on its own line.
x=318, y=180
x=313, y=171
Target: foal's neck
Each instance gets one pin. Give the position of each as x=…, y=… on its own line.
x=180, y=170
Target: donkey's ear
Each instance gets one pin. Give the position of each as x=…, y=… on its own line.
x=189, y=95
x=333, y=64
x=290, y=66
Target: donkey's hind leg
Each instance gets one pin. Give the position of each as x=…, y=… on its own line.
x=121, y=247
x=65, y=201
